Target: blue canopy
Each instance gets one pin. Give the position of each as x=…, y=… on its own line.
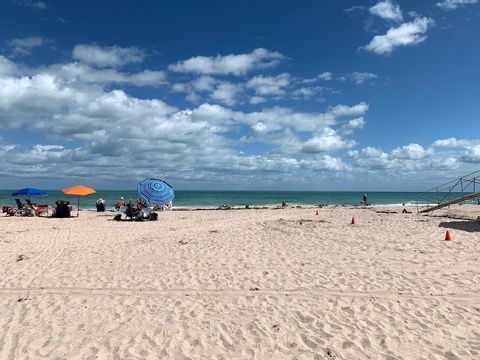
x=29, y=192
x=155, y=191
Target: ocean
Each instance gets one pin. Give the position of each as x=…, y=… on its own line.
x=191, y=198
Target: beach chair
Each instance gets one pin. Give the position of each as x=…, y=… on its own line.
x=19, y=204
x=8, y=210
x=40, y=209
x=21, y=209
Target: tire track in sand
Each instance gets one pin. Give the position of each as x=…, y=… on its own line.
x=11, y=339
x=227, y=293
x=9, y=343
x=58, y=254
x=34, y=261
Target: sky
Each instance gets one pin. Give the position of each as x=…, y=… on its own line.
x=240, y=95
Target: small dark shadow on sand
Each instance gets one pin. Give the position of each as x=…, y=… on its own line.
x=302, y=221
x=465, y=225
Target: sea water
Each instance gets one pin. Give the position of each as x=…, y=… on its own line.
x=191, y=198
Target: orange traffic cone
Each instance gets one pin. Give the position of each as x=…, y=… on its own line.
x=353, y=221
x=316, y=213
x=447, y=236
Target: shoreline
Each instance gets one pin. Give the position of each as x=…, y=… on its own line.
x=457, y=211
x=274, y=206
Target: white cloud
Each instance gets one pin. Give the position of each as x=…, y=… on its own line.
x=204, y=83
x=23, y=46
x=206, y=86
x=109, y=56
x=345, y=110
x=354, y=124
x=254, y=100
x=411, y=151
x=388, y=10
x=82, y=73
x=146, y=77
x=22, y=98
x=413, y=14
x=306, y=122
x=325, y=163
x=454, y=143
x=357, y=123
x=326, y=140
x=372, y=152
x=354, y=9
x=326, y=76
x=194, y=88
x=226, y=93
x=37, y=5
x=406, y=160
x=7, y=67
x=469, y=147
x=306, y=92
x=472, y=154
x=229, y=64
x=359, y=77
x=409, y=33
x=264, y=88
x=258, y=89
x=269, y=85
x=453, y=4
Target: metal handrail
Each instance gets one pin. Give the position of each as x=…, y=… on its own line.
x=443, y=193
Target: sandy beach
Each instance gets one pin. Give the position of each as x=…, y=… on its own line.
x=241, y=284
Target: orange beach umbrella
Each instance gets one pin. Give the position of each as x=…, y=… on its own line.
x=78, y=190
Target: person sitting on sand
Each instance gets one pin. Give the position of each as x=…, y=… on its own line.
x=132, y=212
x=364, y=199
x=140, y=204
x=120, y=202
x=100, y=205
x=62, y=209
x=283, y=205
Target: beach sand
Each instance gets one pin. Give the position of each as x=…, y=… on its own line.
x=241, y=284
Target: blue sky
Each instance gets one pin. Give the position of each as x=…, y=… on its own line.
x=304, y=95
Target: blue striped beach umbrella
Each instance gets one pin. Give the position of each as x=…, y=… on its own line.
x=155, y=191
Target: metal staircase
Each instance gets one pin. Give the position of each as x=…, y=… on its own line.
x=456, y=191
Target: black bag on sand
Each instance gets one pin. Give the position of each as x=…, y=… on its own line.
x=118, y=217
